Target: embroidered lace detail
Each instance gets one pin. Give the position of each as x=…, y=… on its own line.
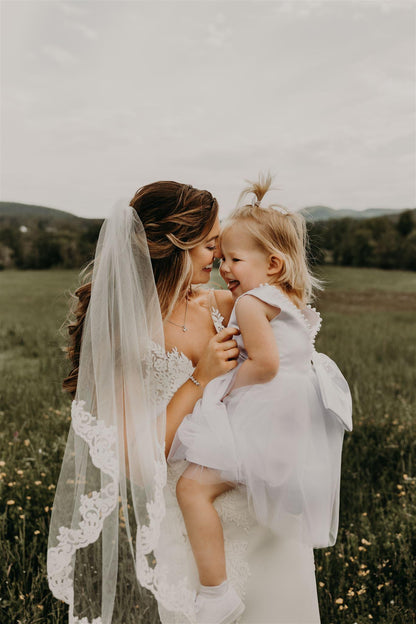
x=232, y=506
x=309, y=316
x=217, y=319
x=94, y=507
x=97, y=506
x=100, y=439
x=314, y=326
x=233, y=510
x=238, y=570
x=167, y=369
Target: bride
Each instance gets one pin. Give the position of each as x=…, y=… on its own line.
x=145, y=341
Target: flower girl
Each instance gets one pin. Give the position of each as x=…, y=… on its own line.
x=274, y=425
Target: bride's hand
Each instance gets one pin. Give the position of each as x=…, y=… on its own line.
x=220, y=356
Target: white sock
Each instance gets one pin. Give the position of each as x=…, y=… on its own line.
x=214, y=591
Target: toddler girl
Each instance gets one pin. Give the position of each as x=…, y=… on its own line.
x=275, y=424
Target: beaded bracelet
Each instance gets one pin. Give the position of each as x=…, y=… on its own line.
x=196, y=382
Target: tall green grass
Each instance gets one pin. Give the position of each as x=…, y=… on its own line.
x=370, y=331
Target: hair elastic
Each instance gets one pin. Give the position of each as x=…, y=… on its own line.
x=257, y=203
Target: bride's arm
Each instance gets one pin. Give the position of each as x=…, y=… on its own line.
x=220, y=357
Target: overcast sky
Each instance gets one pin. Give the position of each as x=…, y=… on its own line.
x=99, y=97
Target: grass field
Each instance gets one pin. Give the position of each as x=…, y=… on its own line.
x=369, y=329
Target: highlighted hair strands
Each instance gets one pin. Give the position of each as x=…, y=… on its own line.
x=279, y=232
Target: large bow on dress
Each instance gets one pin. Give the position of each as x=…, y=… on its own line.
x=335, y=393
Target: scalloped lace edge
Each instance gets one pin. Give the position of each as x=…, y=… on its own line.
x=312, y=329
x=97, y=506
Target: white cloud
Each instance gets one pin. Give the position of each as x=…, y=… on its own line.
x=219, y=34
x=73, y=9
x=86, y=31
x=59, y=54
x=323, y=100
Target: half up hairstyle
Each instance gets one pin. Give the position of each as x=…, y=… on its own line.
x=279, y=232
x=176, y=217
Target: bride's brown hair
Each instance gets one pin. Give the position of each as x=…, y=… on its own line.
x=172, y=214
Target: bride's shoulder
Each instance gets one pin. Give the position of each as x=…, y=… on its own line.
x=210, y=298
x=224, y=302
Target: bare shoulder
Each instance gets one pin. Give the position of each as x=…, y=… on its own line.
x=201, y=296
x=225, y=303
x=250, y=305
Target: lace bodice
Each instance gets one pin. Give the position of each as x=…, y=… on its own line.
x=170, y=369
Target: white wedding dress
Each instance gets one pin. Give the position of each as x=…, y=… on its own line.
x=275, y=577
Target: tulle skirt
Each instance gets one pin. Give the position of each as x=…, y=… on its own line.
x=279, y=443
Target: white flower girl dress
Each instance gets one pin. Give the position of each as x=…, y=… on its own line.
x=281, y=441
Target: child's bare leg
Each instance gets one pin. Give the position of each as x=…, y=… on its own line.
x=204, y=527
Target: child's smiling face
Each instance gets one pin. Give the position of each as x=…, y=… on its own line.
x=244, y=265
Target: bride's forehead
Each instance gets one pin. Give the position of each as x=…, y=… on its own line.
x=215, y=230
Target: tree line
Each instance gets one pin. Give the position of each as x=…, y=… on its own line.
x=382, y=242
x=44, y=244
x=387, y=242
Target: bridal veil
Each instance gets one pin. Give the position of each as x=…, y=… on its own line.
x=109, y=500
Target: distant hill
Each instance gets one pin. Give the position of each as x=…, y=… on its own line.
x=15, y=209
x=311, y=213
x=324, y=213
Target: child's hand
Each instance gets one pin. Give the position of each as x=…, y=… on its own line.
x=220, y=356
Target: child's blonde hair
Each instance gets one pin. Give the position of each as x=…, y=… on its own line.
x=278, y=232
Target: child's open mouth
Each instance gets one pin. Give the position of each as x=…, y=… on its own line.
x=232, y=284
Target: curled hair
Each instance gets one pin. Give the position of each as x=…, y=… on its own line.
x=279, y=232
x=75, y=324
x=176, y=217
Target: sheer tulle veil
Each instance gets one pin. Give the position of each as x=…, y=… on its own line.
x=109, y=500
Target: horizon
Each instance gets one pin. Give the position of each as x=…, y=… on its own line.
x=308, y=207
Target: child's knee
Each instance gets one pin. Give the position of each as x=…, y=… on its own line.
x=187, y=490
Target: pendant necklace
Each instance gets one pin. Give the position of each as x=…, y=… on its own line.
x=183, y=327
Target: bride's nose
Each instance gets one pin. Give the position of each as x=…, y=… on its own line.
x=217, y=251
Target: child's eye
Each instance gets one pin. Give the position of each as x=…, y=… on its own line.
x=236, y=259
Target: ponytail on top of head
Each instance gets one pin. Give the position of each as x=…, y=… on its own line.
x=258, y=189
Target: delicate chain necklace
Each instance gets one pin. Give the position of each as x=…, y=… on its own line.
x=183, y=327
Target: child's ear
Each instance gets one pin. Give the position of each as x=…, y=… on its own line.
x=275, y=265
